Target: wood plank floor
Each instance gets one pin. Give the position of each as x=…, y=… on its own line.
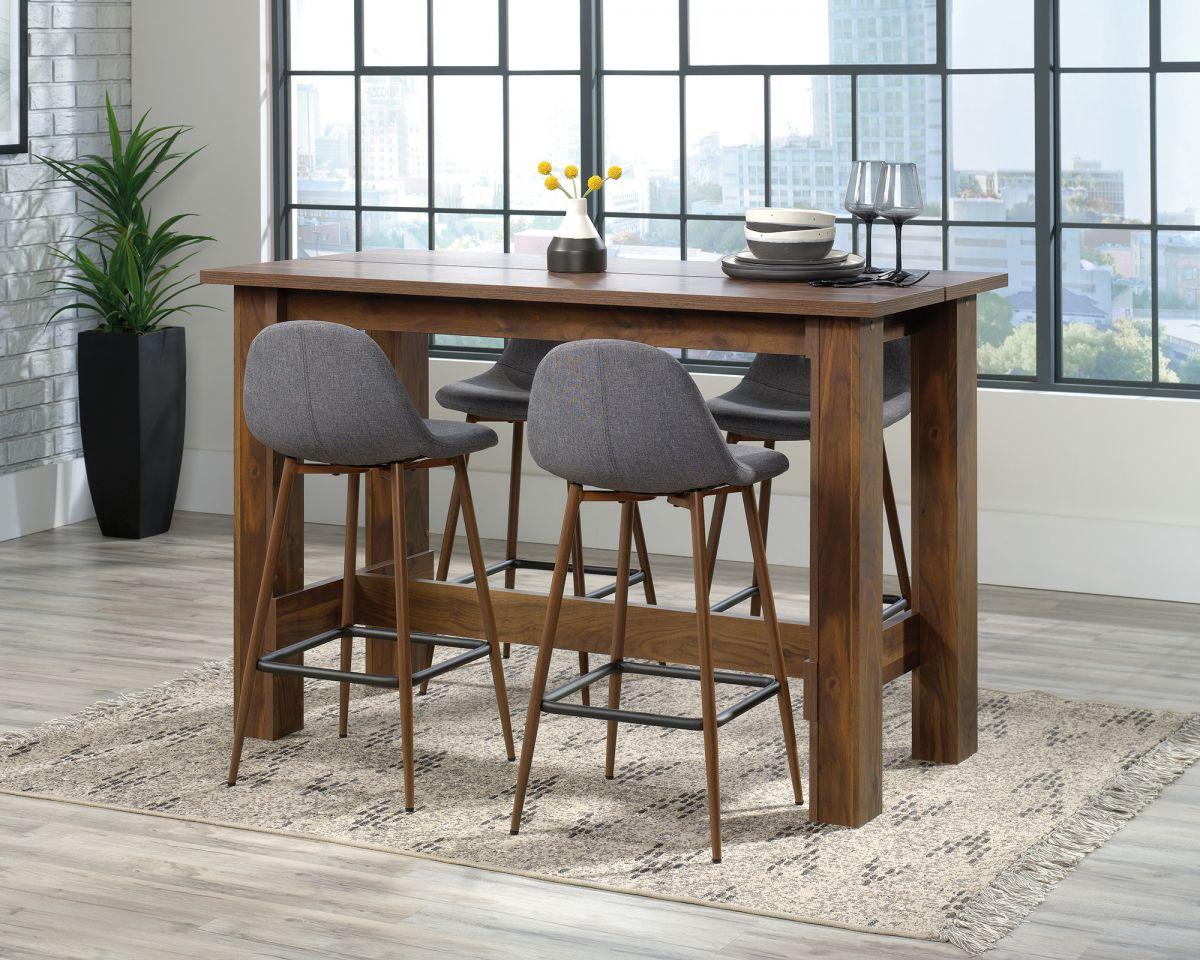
x=85, y=618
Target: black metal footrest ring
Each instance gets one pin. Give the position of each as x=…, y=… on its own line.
x=276, y=660
x=892, y=604
x=734, y=599
x=764, y=689
x=636, y=576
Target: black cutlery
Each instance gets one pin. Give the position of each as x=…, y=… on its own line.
x=904, y=279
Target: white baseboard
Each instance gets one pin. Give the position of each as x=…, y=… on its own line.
x=1074, y=554
x=51, y=495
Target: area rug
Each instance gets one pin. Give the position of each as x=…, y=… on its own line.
x=960, y=853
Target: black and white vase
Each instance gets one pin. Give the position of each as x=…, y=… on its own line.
x=576, y=246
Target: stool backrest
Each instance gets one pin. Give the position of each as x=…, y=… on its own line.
x=520, y=359
x=790, y=374
x=326, y=392
x=897, y=358
x=624, y=416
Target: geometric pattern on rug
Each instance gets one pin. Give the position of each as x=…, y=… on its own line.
x=960, y=853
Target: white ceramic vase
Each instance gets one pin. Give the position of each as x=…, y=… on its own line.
x=576, y=246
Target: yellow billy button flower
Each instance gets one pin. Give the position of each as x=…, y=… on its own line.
x=571, y=171
x=595, y=182
x=552, y=183
x=614, y=173
x=544, y=169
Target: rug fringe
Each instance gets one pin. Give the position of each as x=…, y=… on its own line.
x=1015, y=893
x=206, y=671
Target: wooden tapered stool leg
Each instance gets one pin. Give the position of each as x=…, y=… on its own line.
x=764, y=513
x=483, y=590
x=425, y=654
x=718, y=521
x=514, y=510
x=579, y=582
x=643, y=555
x=514, y=502
x=558, y=584
x=443, y=571
x=758, y=548
x=620, y=608
x=708, y=685
x=893, y=522
x=448, y=535
x=403, y=643
x=714, y=537
x=250, y=663
x=349, y=568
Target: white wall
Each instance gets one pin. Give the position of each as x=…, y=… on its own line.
x=204, y=64
x=1076, y=492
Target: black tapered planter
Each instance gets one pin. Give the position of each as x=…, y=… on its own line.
x=131, y=410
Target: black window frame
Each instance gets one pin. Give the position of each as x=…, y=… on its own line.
x=1047, y=224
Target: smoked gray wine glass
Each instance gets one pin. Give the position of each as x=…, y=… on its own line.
x=865, y=176
x=899, y=199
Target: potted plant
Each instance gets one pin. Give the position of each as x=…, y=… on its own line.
x=132, y=368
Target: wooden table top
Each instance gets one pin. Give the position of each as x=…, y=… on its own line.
x=663, y=284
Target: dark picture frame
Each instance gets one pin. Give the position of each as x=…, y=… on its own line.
x=14, y=76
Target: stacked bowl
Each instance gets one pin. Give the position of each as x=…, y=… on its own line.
x=791, y=244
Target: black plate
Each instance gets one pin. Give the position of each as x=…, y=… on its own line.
x=852, y=266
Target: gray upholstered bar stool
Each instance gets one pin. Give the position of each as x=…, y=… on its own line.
x=771, y=404
x=326, y=398
x=501, y=395
x=627, y=419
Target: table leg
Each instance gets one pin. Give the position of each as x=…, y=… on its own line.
x=846, y=736
x=944, y=578
x=279, y=703
x=409, y=353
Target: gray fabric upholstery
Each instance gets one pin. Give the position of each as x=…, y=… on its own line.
x=627, y=416
x=502, y=391
x=773, y=400
x=327, y=393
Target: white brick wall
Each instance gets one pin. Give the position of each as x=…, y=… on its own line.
x=78, y=50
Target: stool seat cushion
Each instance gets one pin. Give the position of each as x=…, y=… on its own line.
x=626, y=416
x=491, y=394
x=773, y=401
x=457, y=439
x=327, y=393
x=756, y=464
x=754, y=410
x=502, y=391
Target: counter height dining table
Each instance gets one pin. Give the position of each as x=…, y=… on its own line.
x=844, y=654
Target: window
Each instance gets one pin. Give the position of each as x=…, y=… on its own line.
x=419, y=123
x=1129, y=309
x=1055, y=143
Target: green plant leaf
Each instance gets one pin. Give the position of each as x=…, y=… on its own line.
x=132, y=278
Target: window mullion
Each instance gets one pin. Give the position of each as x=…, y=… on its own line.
x=358, y=132
x=1047, y=194
x=853, y=148
x=506, y=172
x=429, y=122
x=282, y=131
x=1155, y=62
x=684, y=64
x=590, y=135
x=766, y=140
